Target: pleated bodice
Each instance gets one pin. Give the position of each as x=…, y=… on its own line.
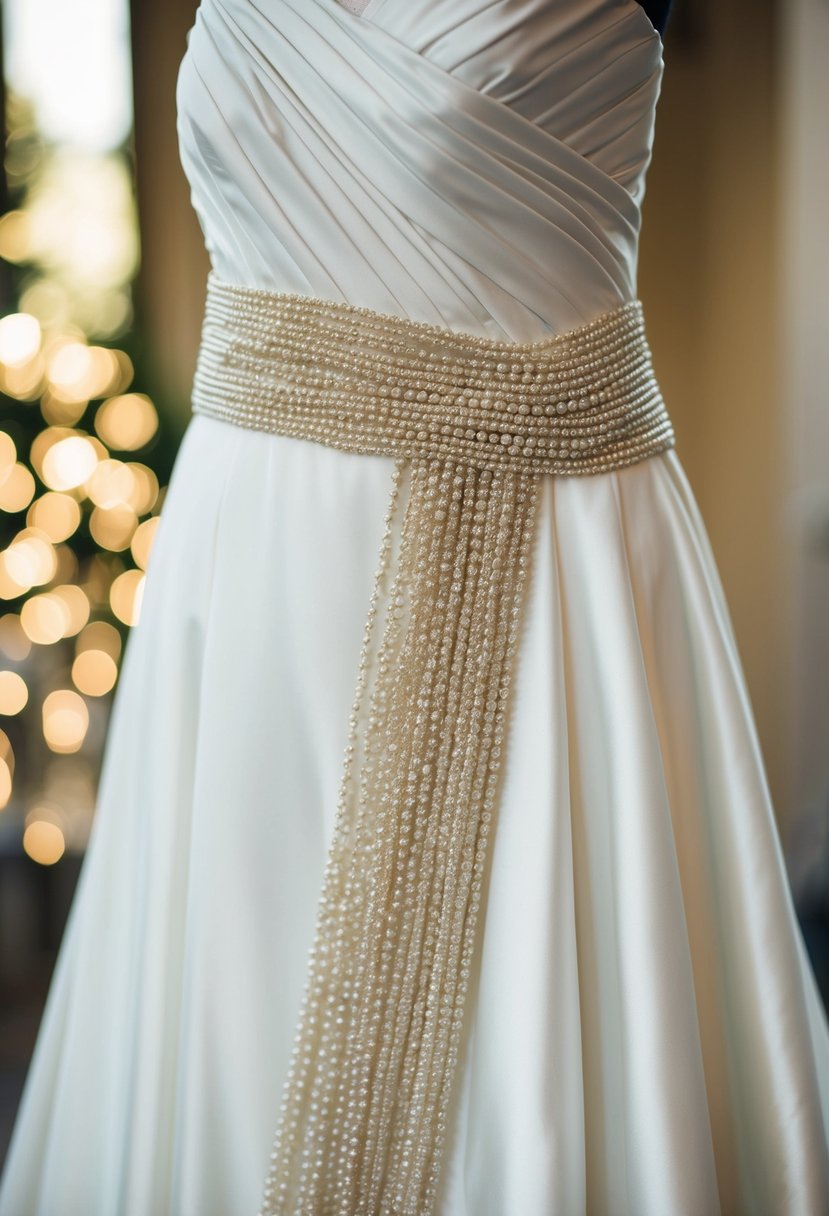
x=478, y=165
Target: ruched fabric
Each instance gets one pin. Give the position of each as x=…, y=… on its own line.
x=645, y=1035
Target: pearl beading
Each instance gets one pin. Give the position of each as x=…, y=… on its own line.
x=473, y=422
x=580, y=402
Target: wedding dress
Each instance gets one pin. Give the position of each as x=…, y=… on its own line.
x=644, y=1033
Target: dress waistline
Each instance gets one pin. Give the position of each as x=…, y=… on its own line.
x=363, y=1122
x=583, y=401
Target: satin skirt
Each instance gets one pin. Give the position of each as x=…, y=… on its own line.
x=644, y=1035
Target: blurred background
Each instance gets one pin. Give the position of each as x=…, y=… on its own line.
x=102, y=279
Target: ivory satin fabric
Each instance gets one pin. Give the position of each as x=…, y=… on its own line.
x=645, y=1036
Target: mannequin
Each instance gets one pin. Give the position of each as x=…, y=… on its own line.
x=658, y=11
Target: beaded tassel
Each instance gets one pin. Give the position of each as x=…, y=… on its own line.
x=477, y=421
x=364, y=1117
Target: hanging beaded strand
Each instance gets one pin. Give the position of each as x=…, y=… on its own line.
x=378, y=1047
x=363, y=1123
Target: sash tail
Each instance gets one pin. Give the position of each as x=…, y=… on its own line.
x=365, y=1112
x=363, y=1122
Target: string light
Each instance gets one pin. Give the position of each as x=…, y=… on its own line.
x=74, y=543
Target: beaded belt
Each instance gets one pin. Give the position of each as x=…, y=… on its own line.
x=477, y=421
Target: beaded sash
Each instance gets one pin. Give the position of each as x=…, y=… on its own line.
x=363, y=1123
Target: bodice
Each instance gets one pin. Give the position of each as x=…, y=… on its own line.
x=474, y=164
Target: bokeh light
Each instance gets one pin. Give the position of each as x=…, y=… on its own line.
x=8, y=455
x=126, y=594
x=67, y=570
x=10, y=588
x=44, y=618
x=65, y=720
x=78, y=372
x=13, y=693
x=97, y=580
x=6, y=770
x=30, y=560
x=6, y=751
x=100, y=635
x=145, y=489
x=58, y=412
x=13, y=641
x=127, y=422
x=74, y=551
x=113, y=527
x=143, y=540
x=5, y=784
x=15, y=236
x=44, y=842
x=56, y=514
x=19, y=338
x=25, y=381
x=94, y=672
x=111, y=484
x=69, y=462
x=76, y=607
x=17, y=489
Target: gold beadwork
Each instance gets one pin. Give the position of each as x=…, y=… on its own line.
x=580, y=402
x=362, y=1125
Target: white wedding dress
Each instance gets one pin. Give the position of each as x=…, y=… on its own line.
x=645, y=1035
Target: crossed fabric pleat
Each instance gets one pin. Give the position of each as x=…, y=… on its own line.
x=368, y=124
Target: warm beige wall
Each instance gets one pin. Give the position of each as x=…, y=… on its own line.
x=804, y=328
x=707, y=277
x=171, y=285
